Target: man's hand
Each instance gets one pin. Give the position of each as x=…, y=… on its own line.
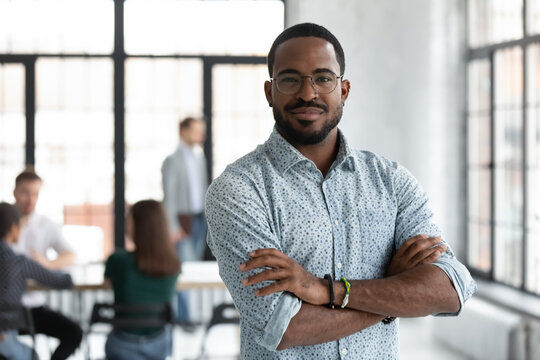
x=178, y=235
x=287, y=275
x=63, y=261
x=42, y=260
x=418, y=250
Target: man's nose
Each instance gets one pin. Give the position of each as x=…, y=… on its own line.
x=307, y=90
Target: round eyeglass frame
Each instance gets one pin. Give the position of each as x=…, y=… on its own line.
x=313, y=85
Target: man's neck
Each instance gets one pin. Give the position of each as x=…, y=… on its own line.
x=323, y=154
x=25, y=219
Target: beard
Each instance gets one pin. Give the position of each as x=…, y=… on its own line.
x=300, y=137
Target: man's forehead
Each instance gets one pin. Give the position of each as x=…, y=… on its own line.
x=305, y=52
x=29, y=183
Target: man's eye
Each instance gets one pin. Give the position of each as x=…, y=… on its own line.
x=323, y=79
x=289, y=80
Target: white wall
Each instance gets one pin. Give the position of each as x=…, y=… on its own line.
x=405, y=61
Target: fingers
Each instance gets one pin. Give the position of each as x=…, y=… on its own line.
x=263, y=261
x=431, y=258
x=432, y=253
x=264, y=258
x=418, y=244
x=272, y=288
x=266, y=275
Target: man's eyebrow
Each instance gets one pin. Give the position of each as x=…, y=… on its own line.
x=316, y=71
x=288, y=71
x=322, y=70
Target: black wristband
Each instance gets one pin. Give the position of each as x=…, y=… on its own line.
x=331, y=288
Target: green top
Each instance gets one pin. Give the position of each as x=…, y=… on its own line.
x=131, y=286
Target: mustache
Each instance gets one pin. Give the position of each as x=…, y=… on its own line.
x=301, y=103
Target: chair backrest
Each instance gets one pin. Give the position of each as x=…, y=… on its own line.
x=16, y=317
x=224, y=314
x=132, y=316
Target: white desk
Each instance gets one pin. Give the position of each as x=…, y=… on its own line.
x=195, y=275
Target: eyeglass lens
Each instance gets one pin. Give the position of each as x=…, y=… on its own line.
x=324, y=82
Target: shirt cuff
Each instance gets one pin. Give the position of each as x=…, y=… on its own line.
x=461, y=279
x=287, y=307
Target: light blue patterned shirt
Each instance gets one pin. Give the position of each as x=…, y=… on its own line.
x=348, y=224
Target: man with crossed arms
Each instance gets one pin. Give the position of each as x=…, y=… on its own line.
x=304, y=219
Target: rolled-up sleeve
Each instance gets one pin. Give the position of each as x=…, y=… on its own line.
x=414, y=218
x=238, y=224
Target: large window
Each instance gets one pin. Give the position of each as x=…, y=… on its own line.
x=12, y=125
x=91, y=92
x=503, y=119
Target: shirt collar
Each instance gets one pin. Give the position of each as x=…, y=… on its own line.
x=284, y=155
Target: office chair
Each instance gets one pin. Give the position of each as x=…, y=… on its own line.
x=222, y=314
x=18, y=317
x=129, y=316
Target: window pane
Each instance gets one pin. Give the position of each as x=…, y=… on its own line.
x=202, y=27
x=509, y=197
x=533, y=232
x=509, y=78
x=159, y=92
x=533, y=17
x=508, y=134
x=479, y=124
x=480, y=246
x=533, y=168
x=12, y=127
x=241, y=118
x=39, y=26
x=478, y=87
x=493, y=21
x=509, y=138
x=479, y=194
x=479, y=134
x=74, y=147
x=508, y=261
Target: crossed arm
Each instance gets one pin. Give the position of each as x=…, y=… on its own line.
x=412, y=287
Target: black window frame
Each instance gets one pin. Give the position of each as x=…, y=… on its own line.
x=487, y=52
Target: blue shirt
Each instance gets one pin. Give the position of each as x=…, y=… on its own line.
x=348, y=224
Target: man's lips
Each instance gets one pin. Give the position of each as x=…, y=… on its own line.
x=307, y=113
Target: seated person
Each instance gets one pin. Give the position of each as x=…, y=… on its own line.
x=38, y=235
x=14, y=270
x=145, y=276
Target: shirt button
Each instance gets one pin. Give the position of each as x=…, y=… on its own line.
x=336, y=222
x=308, y=164
x=344, y=352
x=339, y=265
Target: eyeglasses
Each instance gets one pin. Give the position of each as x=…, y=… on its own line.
x=323, y=82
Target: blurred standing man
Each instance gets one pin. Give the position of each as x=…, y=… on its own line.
x=38, y=235
x=185, y=181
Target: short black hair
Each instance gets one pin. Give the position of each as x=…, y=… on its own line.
x=186, y=123
x=27, y=175
x=304, y=30
x=9, y=216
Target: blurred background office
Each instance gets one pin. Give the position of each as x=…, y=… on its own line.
x=91, y=92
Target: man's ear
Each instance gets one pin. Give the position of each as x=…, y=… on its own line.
x=345, y=89
x=268, y=92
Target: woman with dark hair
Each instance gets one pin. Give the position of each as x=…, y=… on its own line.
x=145, y=276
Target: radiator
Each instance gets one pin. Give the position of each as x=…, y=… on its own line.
x=485, y=331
